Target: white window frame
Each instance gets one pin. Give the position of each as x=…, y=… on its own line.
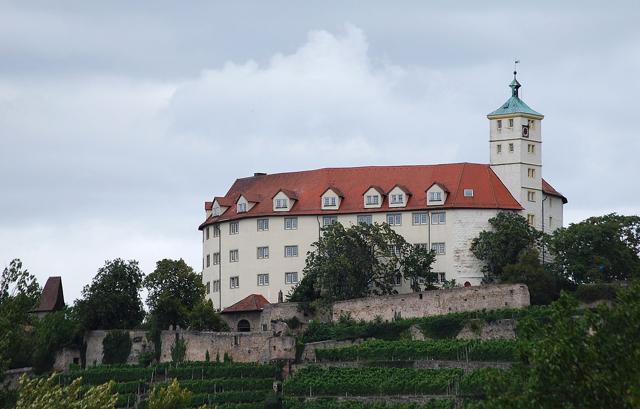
x=373, y=200
x=234, y=256
x=439, y=247
x=216, y=231
x=435, y=196
x=263, y=224
x=293, y=223
x=332, y=218
x=420, y=218
x=263, y=280
x=364, y=219
x=291, y=277
x=215, y=286
x=234, y=227
x=262, y=252
x=468, y=193
x=397, y=198
x=242, y=207
x=438, y=217
x=282, y=203
x=216, y=258
x=234, y=282
x=291, y=250
x=394, y=219
x=330, y=201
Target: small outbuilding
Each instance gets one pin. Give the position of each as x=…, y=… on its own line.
x=244, y=316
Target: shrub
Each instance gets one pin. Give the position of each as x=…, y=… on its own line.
x=116, y=347
x=171, y=396
x=178, y=351
x=589, y=293
x=146, y=358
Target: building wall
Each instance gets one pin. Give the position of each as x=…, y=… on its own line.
x=94, y=354
x=240, y=346
x=436, y=302
x=461, y=226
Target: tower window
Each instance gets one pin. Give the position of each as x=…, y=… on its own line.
x=510, y=147
x=531, y=148
x=498, y=148
x=531, y=123
x=531, y=173
x=499, y=123
x=531, y=196
x=510, y=123
x=531, y=219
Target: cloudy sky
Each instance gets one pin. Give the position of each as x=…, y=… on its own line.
x=119, y=119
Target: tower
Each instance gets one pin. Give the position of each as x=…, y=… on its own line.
x=516, y=152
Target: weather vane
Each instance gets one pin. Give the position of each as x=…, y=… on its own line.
x=515, y=66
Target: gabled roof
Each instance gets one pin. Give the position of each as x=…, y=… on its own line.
x=253, y=302
x=208, y=205
x=401, y=187
x=376, y=187
x=307, y=186
x=249, y=197
x=225, y=201
x=548, y=189
x=290, y=193
x=335, y=190
x=52, y=297
x=440, y=185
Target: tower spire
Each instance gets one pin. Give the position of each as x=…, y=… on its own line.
x=515, y=85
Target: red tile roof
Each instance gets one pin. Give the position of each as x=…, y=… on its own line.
x=52, y=297
x=308, y=186
x=548, y=189
x=401, y=187
x=253, y=302
x=440, y=185
x=208, y=205
x=225, y=201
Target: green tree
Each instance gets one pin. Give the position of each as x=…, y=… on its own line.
x=511, y=234
x=174, y=290
x=204, y=317
x=112, y=300
x=542, y=283
x=576, y=361
x=56, y=330
x=171, y=396
x=359, y=261
x=599, y=249
x=46, y=393
x=116, y=346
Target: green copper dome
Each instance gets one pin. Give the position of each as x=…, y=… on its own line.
x=514, y=105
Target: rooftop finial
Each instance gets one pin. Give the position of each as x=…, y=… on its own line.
x=515, y=85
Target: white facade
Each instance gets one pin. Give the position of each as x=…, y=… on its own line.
x=265, y=253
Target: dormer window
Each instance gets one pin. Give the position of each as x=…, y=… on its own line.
x=330, y=201
x=397, y=199
x=468, y=193
x=373, y=200
x=216, y=211
x=242, y=207
x=435, y=196
x=282, y=203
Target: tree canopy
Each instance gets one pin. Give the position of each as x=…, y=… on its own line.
x=112, y=300
x=598, y=249
x=359, y=261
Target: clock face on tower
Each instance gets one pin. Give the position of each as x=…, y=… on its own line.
x=525, y=131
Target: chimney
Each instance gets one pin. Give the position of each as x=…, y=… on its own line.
x=259, y=174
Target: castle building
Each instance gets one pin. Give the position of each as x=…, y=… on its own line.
x=256, y=237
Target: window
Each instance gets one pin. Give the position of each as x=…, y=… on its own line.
x=435, y=196
x=394, y=219
x=440, y=277
x=397, y=280
x=216, y=231
x=498, y=148
x=395, y=250
x=373, y=199
x=531, y=123
x=234, y=282
x=281, y=203
x=291, y=251
x=242, y=207
x=291, y=223
x=422, y=246
x=499, y=123
x=531, y=173
x=439, y=248
x=468, y=193
x=234, y=228
x=510, y=147
x=438, y=218
x=290, y=278
x=330, y=201
x=263, y=252
x=263, y=224
x=510, y=123
x=216, y=258
x=531, y=148
x=208, y=286
x=263, y=280
x=397, y=199
x=216, y=211
x=531, y=219
x=208, y=260
x=531, y=196
x=216, y=286
x=365, y=219
x=420, y=218
x=207, y=232
x=329, y=220
x=234, y=256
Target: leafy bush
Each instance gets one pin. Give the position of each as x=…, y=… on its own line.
x=116, y=347
x=171, y=396
x=178, y=351
x=145, y=358
x=589, y=293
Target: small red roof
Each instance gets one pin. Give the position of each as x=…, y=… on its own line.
x=208, y=205
x=52, y=297
x=335, y=190
x=548, y=189
x=225, y=201
x=253, y=302
x=377, y=188
x=440, y=185
x=307, y=186
x=401, y=187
